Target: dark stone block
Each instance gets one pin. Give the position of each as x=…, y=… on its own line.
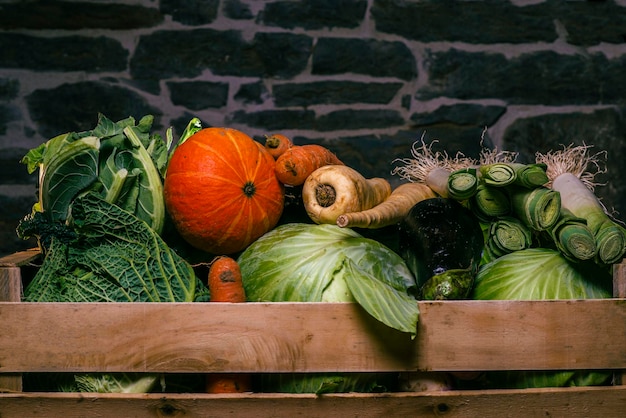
x=545, y=77
x=478, y=22
x=75, y=107
x=235, y=9
x=604, y=129
x=12, y=171
x=314, y=14
x=593, y=22
x=337, y=92
x=9, y=88
x=363, y=56
x=223, y=52
x=252, y=93
x=8, y=113
x=66, y=53
x=274, y=120
x=76, y=15
x=191, y=12
x=197, y=95
x=358, y=119
x=460, y=114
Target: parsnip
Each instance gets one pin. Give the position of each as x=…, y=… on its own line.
x=332, y=190
x=391, y=211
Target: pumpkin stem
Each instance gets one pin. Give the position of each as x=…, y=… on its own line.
x=249, y=189
x=325, y=195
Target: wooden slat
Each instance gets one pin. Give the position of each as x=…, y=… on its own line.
x=21, y=258
x=589, y=402
x=266, y=337
x=10, y=291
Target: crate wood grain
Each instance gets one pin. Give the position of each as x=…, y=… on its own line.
x=308, y=337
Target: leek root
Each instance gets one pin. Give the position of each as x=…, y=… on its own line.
x=569, y=174
x=430, y=167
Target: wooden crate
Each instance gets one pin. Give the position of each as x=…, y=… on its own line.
x=453, y=336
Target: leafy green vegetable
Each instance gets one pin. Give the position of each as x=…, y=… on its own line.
x=542, y=274
x=122, y=161
x=320, y=383
x=325, y=263
x=115, y=257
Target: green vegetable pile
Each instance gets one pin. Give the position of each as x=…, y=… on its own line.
x=98, y=222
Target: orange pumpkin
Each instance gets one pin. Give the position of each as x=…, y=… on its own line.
x=221, y=190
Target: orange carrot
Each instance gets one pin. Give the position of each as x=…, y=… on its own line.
x=277, y=144
x=226, y=285
x=228, y=383
x=299, y=161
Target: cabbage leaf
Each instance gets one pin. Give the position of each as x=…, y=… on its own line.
x=542, y=274
x=115, y=257
x=300, y=262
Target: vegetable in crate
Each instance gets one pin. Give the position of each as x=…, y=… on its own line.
x=325, y=263
x=113, y=257
x=122, y=161
x=221, y=190
x=390, y=211
x=570, y=175
x=334, y=190
x=441, y=241
x=542, y=274
x=297, y=163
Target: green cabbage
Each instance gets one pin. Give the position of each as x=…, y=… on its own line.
x=541, y=274
x=300, y=262
x=325, y=263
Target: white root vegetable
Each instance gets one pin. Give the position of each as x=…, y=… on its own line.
x=391, y=211
x=332, y=190
x=569, y=175
x=430, y=167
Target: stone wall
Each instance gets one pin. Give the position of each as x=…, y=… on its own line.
x=367, y=78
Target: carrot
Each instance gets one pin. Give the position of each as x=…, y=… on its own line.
x=299, y=161
x=332, y=190
x=226, y=285
x=391, y=211
x=277, y=144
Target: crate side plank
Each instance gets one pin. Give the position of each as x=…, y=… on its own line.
x=10, y=291
x=522, y=335
x=557, y=402
x=289, y=337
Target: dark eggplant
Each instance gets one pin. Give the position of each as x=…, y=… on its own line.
x=442, y=242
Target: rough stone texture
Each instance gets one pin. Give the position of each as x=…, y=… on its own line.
x=235, y=9
x=492, y=21
x=191, y=12
x=76, y=106
x=12, y=171
x=546, y=77
x=197, y=95
x=76, y=15
x=338, y=92
x=363, y=56
x=366, y=78
x=280, y=55
x=314, y=14
x=66, y=53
